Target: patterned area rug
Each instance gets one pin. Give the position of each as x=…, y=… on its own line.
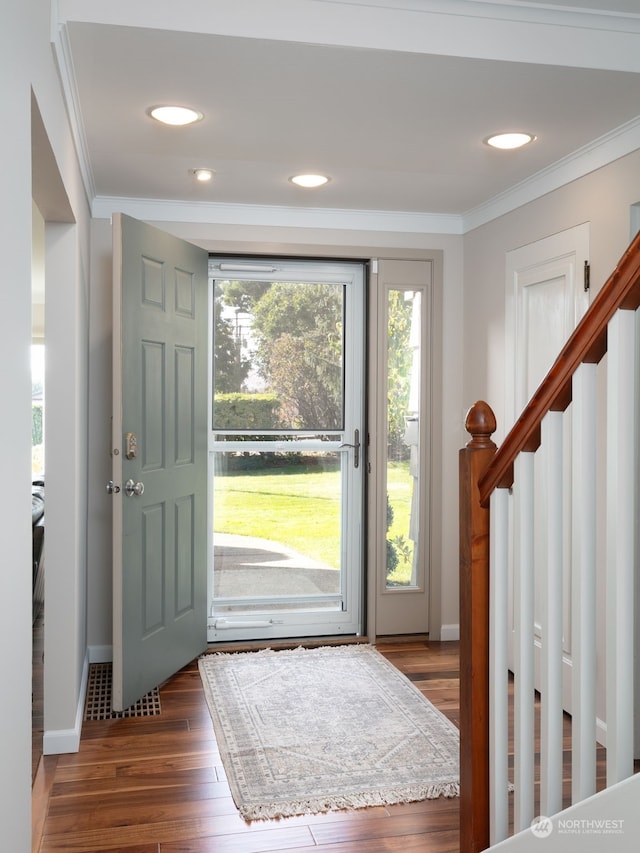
x=313, y=730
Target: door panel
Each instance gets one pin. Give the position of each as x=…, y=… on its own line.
x=160, y=450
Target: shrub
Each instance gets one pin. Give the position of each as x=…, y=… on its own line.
x=36, y=424
x=250, y=412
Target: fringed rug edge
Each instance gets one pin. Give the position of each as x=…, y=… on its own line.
x=362, y=800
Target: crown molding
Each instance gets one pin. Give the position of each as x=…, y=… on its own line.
x=216, y=213
x=66, y=72
x=517, y=11
x=608, y=148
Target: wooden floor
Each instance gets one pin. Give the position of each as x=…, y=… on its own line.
x=156, y=784
x=37, y=692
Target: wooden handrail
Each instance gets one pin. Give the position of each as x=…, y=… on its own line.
x=588, y=343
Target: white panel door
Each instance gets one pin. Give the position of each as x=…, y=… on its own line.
x=159, y=457
x=546, y=298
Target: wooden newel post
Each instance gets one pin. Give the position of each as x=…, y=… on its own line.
x=474, y=632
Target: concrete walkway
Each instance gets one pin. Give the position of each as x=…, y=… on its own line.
x=247, y=567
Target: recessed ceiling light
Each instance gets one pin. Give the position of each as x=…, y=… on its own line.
x=177, y=116
x=203, y=174
x=309, y=181
x=507, y=141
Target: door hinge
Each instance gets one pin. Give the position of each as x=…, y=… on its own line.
x=587, y=276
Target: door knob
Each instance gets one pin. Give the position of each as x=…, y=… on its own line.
x=112, y=489
x=131, y=489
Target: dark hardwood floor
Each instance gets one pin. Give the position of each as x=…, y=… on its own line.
x=37, y=692
x=156, y=784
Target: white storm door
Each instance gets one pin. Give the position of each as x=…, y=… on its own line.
x=546, y=299
x=288, y=449
x=159, y=457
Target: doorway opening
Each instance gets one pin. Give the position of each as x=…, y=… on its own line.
x=37, y=484
x=286, y=448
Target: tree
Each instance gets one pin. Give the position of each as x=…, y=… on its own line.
x=242, y=295
x=298, y=328
x=399, y=362
x=230, y=368
x=301, y=381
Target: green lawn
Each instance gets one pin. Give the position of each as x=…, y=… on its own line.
x=399, y=491
x=295, y=505
x=299, y=506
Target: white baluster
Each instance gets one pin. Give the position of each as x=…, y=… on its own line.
x=621, y=516
x=523, y=581
x=551, y=618
x=498, y=667
x=583, y=583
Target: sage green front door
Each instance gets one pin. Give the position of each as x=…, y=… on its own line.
x=159, y=457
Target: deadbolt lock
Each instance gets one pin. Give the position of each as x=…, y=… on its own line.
x=131, y=445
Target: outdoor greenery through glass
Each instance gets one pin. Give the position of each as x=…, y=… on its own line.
x=277, y=377
x=278, y=356
x=37, y=411
x=296, y=503
x=403, y=403
x=277, y=374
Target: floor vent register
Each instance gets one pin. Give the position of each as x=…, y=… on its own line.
x=98, y=704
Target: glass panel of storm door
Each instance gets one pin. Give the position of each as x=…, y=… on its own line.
x=403, y=437
x=283, y=450
x=277, y=530
x=278, y=357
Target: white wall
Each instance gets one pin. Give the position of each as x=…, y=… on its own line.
x=28, y=66
x=268, y=239
x=603, y=199
x=66, y=318
x=99, y=593
x=15, y=449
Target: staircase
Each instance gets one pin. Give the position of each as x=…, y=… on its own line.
x=525, y=527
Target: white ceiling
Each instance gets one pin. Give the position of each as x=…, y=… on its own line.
x=397, y=122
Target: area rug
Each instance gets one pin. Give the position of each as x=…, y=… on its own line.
x=313, y=730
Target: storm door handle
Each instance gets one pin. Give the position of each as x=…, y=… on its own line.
x=355, y=446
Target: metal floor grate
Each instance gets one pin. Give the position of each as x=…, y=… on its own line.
x=98, y=704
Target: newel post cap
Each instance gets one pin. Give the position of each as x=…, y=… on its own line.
x=480, y=423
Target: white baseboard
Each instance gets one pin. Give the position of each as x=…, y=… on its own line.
x=58, y=741
x=449, y=633
x=100, y=654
